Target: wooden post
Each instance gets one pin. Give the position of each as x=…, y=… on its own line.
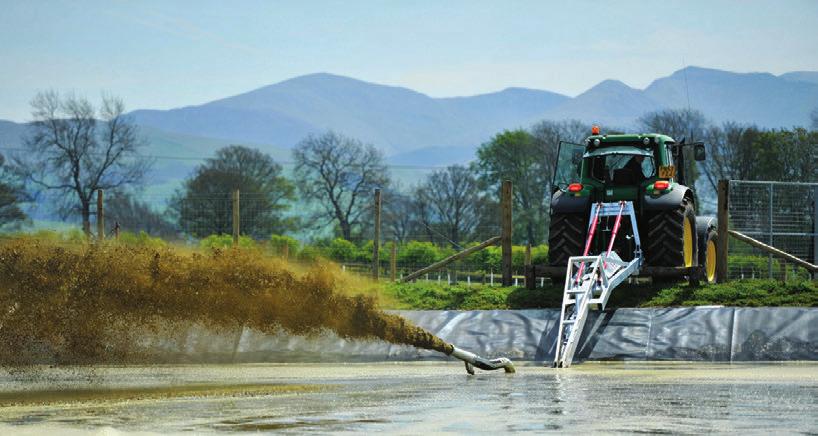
x=393, y=261
x=285, y=251
x=376, y=242
x=722, y=217
x=100, y=216
x=530, y=276
x=815, y=232
x=236, y=218
x=116, y=230
x=505, y=235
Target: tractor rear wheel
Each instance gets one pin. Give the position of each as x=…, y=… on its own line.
x=670, y=240
x=566, y=238
x=708, y=259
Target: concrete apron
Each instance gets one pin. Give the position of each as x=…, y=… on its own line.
x=723, y=334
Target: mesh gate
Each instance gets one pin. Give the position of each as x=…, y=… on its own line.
x=781, y=214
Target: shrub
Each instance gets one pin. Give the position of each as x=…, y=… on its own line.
x=310, y=253
x=539, y=255
x=278, y=242
x=142, y=239
x=418, y=253
x=752, y=266
x=342, y=250
x=225, y=241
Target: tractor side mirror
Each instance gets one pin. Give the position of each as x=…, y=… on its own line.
x=698, y=152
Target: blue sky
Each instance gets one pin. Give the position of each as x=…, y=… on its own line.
x=163, y=54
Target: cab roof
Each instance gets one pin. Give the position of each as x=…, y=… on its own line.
x=655, y=137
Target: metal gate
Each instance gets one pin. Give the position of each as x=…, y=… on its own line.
x=781, y=214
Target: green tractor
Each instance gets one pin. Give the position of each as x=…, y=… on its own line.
x=648, y=170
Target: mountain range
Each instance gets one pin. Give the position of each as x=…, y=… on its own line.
x=415, y=129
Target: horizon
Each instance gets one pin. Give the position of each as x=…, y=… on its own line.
x=160, y=56
x=327, y=73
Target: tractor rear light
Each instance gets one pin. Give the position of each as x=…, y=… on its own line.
x=661, y=185
x=575, y=187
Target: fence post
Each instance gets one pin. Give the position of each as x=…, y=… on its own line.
x=100, y=216
x=770, y=237
x=377, y=238
x=505, y=235
x=815, y=232
x=236, y=218
x=116, y=230
x=722, y=218
x=529, y=269
x=393, y=261
x=285, y=251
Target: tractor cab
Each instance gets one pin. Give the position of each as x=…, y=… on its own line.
x=616, y=167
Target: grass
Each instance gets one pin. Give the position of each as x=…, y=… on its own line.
x=745, y=293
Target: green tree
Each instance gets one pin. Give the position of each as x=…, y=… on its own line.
x=786, y=155
x=516, y=155
x=202, y=206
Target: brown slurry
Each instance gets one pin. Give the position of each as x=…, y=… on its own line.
x=88, y=304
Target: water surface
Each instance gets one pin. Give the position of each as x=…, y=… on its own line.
x=412, y=398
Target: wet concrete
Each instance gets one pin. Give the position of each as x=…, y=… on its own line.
x=412, y=398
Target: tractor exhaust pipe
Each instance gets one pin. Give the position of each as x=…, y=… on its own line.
x=473, y=360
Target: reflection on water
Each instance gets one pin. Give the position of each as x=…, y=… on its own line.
x=414, y=398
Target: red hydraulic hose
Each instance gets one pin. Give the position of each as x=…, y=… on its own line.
x=591, y=232
x=615, y=230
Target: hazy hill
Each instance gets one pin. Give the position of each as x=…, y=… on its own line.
x=801, y=76
x=611, y=103
x=760, y=98
x=395, y=119
x=415, y=129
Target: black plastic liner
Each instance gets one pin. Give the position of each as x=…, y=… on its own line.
x=720, y=334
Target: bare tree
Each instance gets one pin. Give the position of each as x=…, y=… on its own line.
x=689, y=124
x=677, y=123
x=74, y=150
x=454, y=198
x=11, y=195
x=137, y=216
x=424, y=214
x=400, y=218
x=731, y=154
x=339, y=174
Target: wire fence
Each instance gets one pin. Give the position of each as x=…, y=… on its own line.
x=409, y=240
x=781, y=214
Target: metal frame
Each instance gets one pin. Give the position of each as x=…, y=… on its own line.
x=599, y=276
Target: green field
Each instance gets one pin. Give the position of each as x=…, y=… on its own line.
x=747, y=293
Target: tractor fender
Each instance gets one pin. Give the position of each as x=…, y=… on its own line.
x=666, y=201
x=564, y=203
